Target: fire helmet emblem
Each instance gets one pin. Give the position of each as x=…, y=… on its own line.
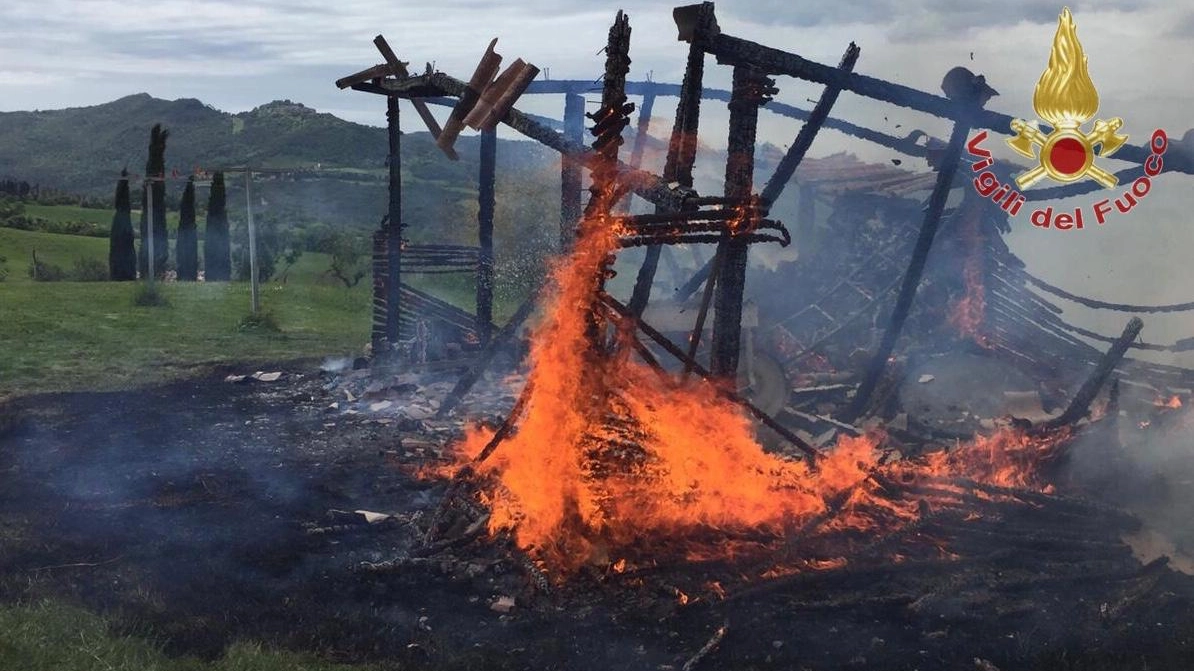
x=1065, y=98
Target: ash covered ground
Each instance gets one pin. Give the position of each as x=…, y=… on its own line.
x=207, y=511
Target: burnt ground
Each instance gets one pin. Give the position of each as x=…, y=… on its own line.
x=185, y=512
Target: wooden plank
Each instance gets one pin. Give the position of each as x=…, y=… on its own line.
x=363, y=76
x=469, y=94
x=398, y=69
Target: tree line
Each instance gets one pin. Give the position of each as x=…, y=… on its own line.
x=126, y=261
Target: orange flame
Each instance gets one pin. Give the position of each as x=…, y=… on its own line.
x=613, y=459
x=969, y=312
x=1173, y=402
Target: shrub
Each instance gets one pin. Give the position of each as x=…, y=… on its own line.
x=149, y=296
x=40, y=271
x=89, y=269
x=262, y=321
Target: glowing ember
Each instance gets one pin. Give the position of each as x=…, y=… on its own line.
x=970, y=311
x=1173, y=402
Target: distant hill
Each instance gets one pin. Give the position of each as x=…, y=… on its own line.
x=83, y=149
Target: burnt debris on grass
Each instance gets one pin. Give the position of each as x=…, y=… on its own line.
x=224, y=509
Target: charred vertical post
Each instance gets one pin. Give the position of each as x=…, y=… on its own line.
x=381, y=273
x=920, y=254
x=394, y=228
x=570, y=171
x=751, y=88
x=608, y=123
x=681, y=151
x=486, y=200
x=1080, y=404
x=789, y=163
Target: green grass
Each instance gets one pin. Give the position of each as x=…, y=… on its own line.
x=89, y=335
x=58, y=336
x=54, y=637
x=101, y=217
x=58, y=250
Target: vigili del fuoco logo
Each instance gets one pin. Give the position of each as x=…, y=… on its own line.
x=1065, y=98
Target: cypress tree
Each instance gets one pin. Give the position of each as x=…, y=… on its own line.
x=217, y=262
x=144, y=235
x=186, y=246
x=155, y=166
x=122, y=258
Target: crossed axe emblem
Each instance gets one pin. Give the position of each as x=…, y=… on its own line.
x=1067, y=154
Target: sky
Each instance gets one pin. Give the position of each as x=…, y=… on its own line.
x=238, y=55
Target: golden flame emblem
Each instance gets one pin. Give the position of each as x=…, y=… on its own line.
x=1065, y=97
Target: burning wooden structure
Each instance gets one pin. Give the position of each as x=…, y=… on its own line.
x=606, y=463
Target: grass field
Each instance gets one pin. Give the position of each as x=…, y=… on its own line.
x=55, y=637
x=96, y=216
x=89, y=335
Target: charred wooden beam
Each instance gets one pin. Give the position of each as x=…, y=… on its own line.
x=698, y=328
x=394, y=232
x=737, y=51
x=648, y=186
x=499, y=340
x=368, y=74
x=570, y=171
x=804, y=139
x=920, y=254
x=486, y=200
x=751, y=89
x=509, y=91
x=1080, y=404
x=468, y=94
x=398, y=69
x=681, y=154
x=791, y=160
x=701, y=238
x=605, y=191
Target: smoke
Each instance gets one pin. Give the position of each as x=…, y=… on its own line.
x=1146, y=465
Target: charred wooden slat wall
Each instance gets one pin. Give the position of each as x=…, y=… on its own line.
x=381, y=274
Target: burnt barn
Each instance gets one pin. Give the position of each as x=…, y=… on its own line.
x=865, y=435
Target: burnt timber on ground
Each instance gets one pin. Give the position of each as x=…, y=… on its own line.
x=100, y=508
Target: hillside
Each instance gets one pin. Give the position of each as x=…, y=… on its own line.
x=82, y=150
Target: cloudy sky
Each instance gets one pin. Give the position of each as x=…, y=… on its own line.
x=238, y=54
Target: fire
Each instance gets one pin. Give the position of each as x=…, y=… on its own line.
x=609, y=454
x=613, y=459
x=969, y=312
x=1007, y=458
x=1173, y=402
